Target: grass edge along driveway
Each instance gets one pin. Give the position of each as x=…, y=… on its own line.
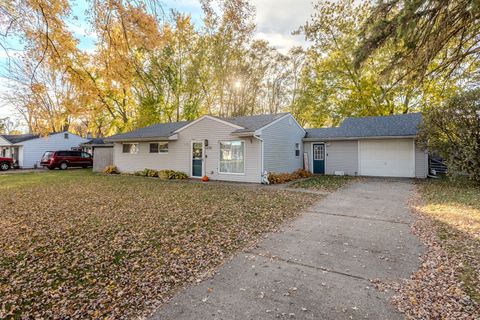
x=80, y=245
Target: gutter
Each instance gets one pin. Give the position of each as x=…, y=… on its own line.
x=261, y=157
x=358, y=138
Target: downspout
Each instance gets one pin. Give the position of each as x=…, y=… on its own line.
x=261, y=157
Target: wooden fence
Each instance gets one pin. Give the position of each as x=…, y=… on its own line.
x=102, y=157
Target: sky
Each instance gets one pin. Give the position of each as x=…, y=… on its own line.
x=275, y=20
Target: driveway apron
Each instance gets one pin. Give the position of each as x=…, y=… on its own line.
x=319, y=266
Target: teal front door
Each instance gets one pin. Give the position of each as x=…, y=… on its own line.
x=319, y=158
x=197, y=159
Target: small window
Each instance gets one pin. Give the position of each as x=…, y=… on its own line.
x=131, y=148
x=65, y=135
x=86, y=155
x=153, y=147
x=160, y=147
x=297, y=149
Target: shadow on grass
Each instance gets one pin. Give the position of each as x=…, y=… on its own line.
x=454, y=206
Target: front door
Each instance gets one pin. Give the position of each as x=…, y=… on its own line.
x=197, y=159
x=319, y=158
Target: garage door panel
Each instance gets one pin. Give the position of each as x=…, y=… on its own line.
x=387, y=158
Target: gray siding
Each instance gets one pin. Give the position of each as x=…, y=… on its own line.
x=31, y=151
x=342, y=156
x=421, y=162
x=102, y=158
x=179, y=153
x=339, y=156
x=279, y=141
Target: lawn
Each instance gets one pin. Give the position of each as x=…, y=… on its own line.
x=324, y=182
x=448, y=284
x=80, y=245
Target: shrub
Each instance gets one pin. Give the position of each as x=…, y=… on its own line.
x=278, y=178
x=453, y=131
x=111, y=170
x=172, y=175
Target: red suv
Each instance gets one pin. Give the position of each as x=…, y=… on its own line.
x=65, y=159
x=6, y=163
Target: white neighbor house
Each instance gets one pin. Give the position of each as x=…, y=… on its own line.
x=242, y=148
x=28, y=149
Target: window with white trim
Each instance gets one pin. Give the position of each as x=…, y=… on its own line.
x=297, y=149
x=232, y=157
x=159, y=147
x=131, y=148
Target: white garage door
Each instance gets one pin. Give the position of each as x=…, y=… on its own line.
x=387, y=158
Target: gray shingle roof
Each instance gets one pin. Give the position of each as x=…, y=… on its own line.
x=16, y=138
x=164, y=130
x=384, y=126
x=161, y=130
x=252, y=123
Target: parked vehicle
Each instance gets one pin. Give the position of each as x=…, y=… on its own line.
x=6, y=163
x=64, y=159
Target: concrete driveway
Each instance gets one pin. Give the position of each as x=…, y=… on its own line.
x=319, y=267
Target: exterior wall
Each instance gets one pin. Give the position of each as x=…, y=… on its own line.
x=421, y=162
x=279, y=141
x=102, y=158
x=32, y=150
x=339, y=156
x=179, y=155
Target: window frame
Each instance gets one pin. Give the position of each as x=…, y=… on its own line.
x=159, y=151
x=130, y=143
x=220, y=157
x=297, y=150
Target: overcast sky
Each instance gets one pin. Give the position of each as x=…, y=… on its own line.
x=275, y=19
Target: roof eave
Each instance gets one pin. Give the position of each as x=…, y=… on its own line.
x=143, y=139
x=359, y=138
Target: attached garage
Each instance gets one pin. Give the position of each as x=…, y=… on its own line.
x=387, y=158
x=370, y=146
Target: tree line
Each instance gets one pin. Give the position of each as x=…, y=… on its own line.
x=150, y=65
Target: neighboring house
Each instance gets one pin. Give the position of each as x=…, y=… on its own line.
x=28, y=149
x=369, y=146
x=242, y=148
x=232, y=149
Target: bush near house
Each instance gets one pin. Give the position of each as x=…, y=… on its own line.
x=111, y=170
x=163, y=174
x=278, y=178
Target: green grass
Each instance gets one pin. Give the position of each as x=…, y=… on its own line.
x=113, y=246
x=454, y=205
x=324, y=183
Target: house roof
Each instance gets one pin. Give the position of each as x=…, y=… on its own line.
x=16, y=138
x=161, y=130
x=96, y=142
x=252, y=123
x=165, y=130
x=403, y=125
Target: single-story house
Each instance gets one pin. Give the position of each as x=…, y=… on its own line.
x=232, y=149
x=243, y=148
x=28, y=149
x=369, y=146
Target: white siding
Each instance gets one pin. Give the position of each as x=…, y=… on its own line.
x=32, y=150
x=279, y=141
x=179, y=153
x=421, y=162
x=387, y=157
